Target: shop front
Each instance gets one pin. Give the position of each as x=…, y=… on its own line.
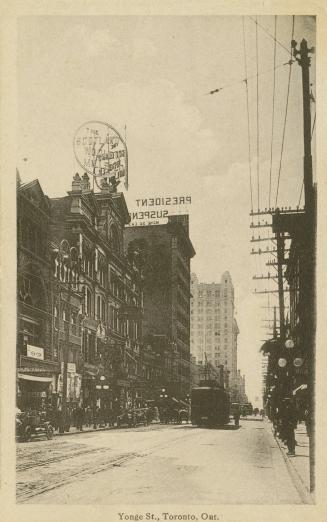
x=36, y=381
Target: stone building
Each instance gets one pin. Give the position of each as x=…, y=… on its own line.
x=109, y=318
x=214, y=328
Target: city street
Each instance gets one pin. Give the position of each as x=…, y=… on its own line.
x=167, y=464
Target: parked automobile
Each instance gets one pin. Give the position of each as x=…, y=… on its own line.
x=32, y=423
x=132, y=418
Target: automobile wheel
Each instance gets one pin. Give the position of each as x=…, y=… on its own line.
x=49, y=432
x=27, y=433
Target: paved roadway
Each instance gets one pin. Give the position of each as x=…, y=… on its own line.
x=157, y=465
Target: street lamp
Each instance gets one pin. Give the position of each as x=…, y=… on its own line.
x=66, y=277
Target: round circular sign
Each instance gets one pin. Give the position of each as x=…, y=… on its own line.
x=282, y=362
x=101, y=151
x=298, y=361
x=289, y=343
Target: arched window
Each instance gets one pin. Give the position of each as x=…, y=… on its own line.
x=88, y=302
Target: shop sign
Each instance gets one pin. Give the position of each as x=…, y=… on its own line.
x=35, y=352
x=71, y=367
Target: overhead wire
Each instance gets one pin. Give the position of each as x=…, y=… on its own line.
x=285, y=118
x=255, y=20
x=258, y=137
x=273, y=112
x=237, y=82
x=248, y=113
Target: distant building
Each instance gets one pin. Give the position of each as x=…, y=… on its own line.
x=164, y=258
x=214, y=328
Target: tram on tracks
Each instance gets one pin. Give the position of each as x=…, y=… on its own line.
x=210, y=405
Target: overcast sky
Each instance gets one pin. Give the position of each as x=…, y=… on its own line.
x=152, y=75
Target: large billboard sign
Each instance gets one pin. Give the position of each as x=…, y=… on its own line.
x=101, y=151
x=155, y=210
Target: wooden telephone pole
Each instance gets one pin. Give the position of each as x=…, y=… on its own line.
x=309, y=232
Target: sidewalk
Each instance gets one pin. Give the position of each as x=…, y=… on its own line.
x=299, y=464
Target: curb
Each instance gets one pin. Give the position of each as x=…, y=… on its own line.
x=83, y=431
x=306, y=496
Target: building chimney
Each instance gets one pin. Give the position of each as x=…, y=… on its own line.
x=85, y=183
x=76, y=183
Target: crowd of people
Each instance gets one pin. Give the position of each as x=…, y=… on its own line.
x=81, y=417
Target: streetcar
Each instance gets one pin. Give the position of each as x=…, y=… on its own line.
x=210, y=405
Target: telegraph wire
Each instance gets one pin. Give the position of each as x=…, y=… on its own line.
x=248, y=114
x=258, y=135
x=237, y=82
x=273, y=111
x=285, y=119
x=255, y=20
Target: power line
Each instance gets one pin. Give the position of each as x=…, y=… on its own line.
x=258, y=142
x=248, y=114
x=237, y=82
x=285, y=119
x=273, y=111
x=255, y=20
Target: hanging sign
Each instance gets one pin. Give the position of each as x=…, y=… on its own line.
x=101, y=151
x=35, y=352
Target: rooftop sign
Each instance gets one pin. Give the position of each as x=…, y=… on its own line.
x=101, y=151
x=155, y=210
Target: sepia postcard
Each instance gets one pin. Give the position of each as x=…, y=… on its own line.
x=162, y=261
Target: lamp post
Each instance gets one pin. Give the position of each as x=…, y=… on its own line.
x=66, y=277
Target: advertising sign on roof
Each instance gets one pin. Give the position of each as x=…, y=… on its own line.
x=101, y=151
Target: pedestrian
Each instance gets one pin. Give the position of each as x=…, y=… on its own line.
x=88, y=416
x=79, y=415
x=236, y=416
x=289, y=422
x=95, y=416
x=60, y=422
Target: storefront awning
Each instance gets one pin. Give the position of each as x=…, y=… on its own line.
x=33, y=383
x=34, y=378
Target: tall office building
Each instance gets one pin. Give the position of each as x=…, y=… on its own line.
x=165, y=252
x=214, y=328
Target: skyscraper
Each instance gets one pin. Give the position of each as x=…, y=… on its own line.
x=214, y=328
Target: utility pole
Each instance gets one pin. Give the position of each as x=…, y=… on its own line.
x=280, y=261
x=309, y=316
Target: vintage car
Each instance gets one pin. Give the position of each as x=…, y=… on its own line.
x=132, y=418
x=32, y=423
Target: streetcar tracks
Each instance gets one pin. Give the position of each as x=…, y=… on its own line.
x=21, y=497
x=53, y=460
x=26, y=491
